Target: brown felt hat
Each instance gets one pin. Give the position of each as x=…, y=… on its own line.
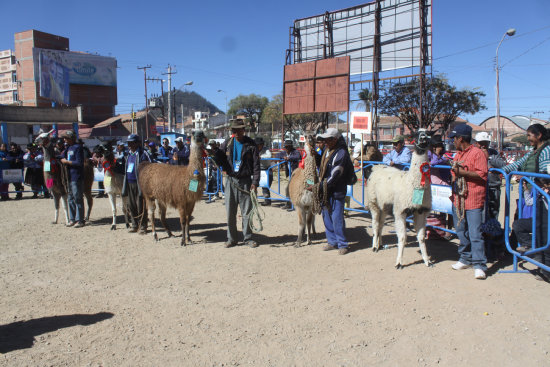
x=237, y=124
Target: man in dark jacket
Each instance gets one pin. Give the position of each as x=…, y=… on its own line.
x=239, y=158
x=15, y=156
x=73, y=158
x=334, y=165
x=130, y=187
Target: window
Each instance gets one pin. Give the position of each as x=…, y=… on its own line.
x=15, y=96
x=14, y=77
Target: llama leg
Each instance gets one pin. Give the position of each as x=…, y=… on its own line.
x=125, y=210
x=187, y=234
x=90, y=203
x=401, y=229
x=301, y=225
x=309, y=225
x=182, y=223
x=112, y=201
x=377, y=222
x=65, y=207
x=56, y=204
x=420, y=228
x=162, y=210
x=152, y=208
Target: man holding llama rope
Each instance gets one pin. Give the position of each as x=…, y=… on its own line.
x=332, y=175
x=73, y=158
x=469, y=171
x=130, y=187
x=239, y=158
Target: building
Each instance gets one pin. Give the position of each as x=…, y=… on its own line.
x=47, y=72
x=8, y=78
x=512, y=125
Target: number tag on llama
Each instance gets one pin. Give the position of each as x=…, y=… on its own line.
x=47, y=166
x=418, y=196
x=193, y=185
x=310, y=182
x=107, y=181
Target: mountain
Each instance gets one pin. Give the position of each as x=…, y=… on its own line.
x=191, y=101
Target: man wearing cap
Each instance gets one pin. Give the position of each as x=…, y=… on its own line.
x=265, y=163
x=332, y=175
x=239, y=158
x=181, y=152
x=130, y=187
x=73, y=158
x=400, y=154
x=165, y=151
x=470, y=164
x=483, y=140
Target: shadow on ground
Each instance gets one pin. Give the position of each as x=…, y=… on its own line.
x=21, y=334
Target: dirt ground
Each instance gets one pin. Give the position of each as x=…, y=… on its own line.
x=96, y=297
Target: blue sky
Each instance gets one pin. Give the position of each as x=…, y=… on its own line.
x=239, y=46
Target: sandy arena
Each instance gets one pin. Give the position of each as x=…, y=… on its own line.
x=96, y=297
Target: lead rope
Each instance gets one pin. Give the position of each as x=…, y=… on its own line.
x=462, y=190
x=256, y=213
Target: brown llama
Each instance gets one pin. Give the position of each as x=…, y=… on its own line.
x=304, y=200
x=179, y=187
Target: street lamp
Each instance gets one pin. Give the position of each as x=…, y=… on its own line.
x=510, y=32
x=182, y=117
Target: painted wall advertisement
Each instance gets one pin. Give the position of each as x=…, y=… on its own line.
x=82, y=68
x=54, y=79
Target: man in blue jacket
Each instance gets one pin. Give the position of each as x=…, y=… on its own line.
x=73, y=159
x=333, y=170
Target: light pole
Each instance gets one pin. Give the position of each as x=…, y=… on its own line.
x=182, y=117
x=510, y=32
x=222, y=91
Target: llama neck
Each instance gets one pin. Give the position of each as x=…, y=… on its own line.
x=195, y=157
x=310, y=167
x=414, y=170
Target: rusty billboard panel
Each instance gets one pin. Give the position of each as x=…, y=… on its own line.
x=317, y=86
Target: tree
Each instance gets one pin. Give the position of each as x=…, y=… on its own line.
x=251, y=106
x=442, y=103
x=366, y=99
x=521, y=139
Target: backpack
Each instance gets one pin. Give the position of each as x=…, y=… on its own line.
x=349, y=172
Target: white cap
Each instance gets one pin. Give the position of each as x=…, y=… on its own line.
x=482, y=136
x=330, y=133
x=180, y=139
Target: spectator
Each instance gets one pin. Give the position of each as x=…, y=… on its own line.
x=152, y=150
x=357, y=149
x=319, y=149
x=34, y=177
x=292, y=157
x=130, y=187
x=400, y=155
x=73, y=158
x=332, y=175
x=536, y=161
x=238, y=156
x=483, y=140
x=212, y=185
x=180, y=154
x=120, y=153
x=265, y=163
x=165, y=151
x=60, y=147
x=97, y=161
x=15, y=156
x=4, y=164
x=436, y=155
x=470, y=164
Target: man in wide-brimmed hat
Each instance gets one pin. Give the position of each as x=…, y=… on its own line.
x=239, y=158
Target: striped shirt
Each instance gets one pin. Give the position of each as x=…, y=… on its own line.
x=473, y=159
x=544, y=161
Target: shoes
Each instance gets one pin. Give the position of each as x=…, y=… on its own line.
x=328, y=248
x=459, y=266
x=479, y=274
x=133, y=230
x=252, y=244
x=229, y=244
x=142, y=231
x=343, y=251
x=35, y=195
x=79, y=225
x=70, y=224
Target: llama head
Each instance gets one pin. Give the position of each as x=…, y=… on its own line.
x=422, y=141
x=309, y=146
x=198, y=137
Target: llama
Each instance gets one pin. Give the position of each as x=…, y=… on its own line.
x=179, y=187
x=388, y=187
x=304, y=200
x=113, y=173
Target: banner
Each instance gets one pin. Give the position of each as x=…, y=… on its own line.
x=12, y=175
x=54, y=79
x=360, y=122
x=83, y=68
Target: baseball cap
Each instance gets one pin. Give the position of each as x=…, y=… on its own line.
x=461, y=130
x=288, y=143
x=330, y=133
x=133, y=138
x=483, y=136
x=397, y=139
x=69, y=134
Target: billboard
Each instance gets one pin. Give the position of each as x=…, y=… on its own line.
x=83, y=68
x=353, y=31
x=54, y=79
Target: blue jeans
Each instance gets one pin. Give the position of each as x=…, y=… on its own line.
x=472, y=246
x=76, y=201
x=333, y=217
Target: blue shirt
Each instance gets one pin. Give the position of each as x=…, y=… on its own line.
x=237, y=155
x=131, y=167
x=401, y=158
x=75, y=155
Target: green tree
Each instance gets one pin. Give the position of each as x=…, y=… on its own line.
x=251, y=106
x=366, y=99
x=521, y=139
x=442, y=103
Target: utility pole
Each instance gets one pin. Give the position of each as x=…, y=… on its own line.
x=132, y=118
x=146, y=104
x=169, y=73
x=182, y=121
x=162, y=94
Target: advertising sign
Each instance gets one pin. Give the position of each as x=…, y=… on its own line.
x=441, y=201
x=54, y=79
x=83, y=68
x=361, y=122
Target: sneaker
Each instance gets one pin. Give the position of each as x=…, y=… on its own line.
x=229, y=244
x=343, y=251
x=70, y=224
x=479, y=274
x=79, y=225
x=328, y=248
x=252, y=244
x=133, y=230
x=459, y=266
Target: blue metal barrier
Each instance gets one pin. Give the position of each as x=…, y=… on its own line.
x=537, y=190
